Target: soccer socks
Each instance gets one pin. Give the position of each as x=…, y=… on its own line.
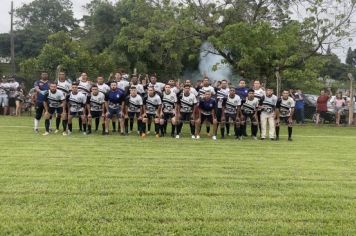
x=157, y=128
x=290, y=129
x=192, y=128
x=80, y=124
x=132, y=123
x=208, y=129
x=173, y=130
x=149, y=127
x=70, y=127
x=36, y=123
x=89, y=129
x=222, y=131
x=227, y=125
x=277, y=131
x=47, y=125
x=97, y=120
x=64, y=124
x=179, y=128
x=126, y=125
x=139, y=126
x=58, y=122
x=113, y=126
x=254, y=130
x=85, y=127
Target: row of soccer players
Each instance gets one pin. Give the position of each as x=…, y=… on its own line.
x=224, y=110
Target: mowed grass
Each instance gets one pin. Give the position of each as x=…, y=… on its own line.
x=98, y=185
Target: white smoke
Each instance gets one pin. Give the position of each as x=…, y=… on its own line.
x=210, y=61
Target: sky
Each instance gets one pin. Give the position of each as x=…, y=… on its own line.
x=79, y=11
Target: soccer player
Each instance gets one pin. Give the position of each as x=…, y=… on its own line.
x=169, y=106
x=249, y=111
x=268, y=105
x=186, y=107
x=114, y=105
x=134, y=109
x=284, y=112
x=84, y=88
x=242, y=92
x=103, y=89
x=76, y=102
x=221, y=94
x=139, y=87
x=206, y=88
x=152, y=110
x=41, y=87
x=192, y=90
x=231, y=108
x=206, y=113
x=259, y=94
x=96, y=105
x=54, y=103
x=157, y=86
x=64, y=86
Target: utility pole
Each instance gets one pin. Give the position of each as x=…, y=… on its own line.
x=13, y=66
x=351, y=107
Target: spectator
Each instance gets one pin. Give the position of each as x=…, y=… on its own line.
x=19, y=100
x=339, y=104
x=321, y=106
x=4, y=99
x=299, y=106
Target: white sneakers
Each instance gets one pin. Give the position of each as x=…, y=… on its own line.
x=177, y=136
x=45, y=133
x=214, y=137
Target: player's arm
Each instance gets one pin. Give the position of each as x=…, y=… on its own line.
x=106, y=104
x=88, y=105
x=45, y=105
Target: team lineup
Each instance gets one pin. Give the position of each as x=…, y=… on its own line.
x=223, y=107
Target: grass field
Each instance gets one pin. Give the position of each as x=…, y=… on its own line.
x=113, y=185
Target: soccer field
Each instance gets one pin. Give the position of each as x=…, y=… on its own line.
x=114, y=185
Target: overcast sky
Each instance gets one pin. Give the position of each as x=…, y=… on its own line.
x=79, y=11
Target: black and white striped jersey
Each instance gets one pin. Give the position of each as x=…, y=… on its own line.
x=64, y=86
x=103, y=88
x=76, y=102
x=285, y=106
x=96, y=101
x=134, y=104
x=158, y=86
x=169, y=102
x=84, y=87
x=187, y=103
x=221, y=94
x=269, y=103
x=259, y=94
x=152, y=103
x=54, y=99
x=249, y=107
x=231, y=104
x=203, y=90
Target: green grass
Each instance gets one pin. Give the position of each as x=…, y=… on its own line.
x=115, y=185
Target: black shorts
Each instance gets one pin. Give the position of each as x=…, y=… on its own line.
x=249, y=116
x=151, y=116
x=57, y=110
x=230, y=117
x=96, y=114
x=285, y=120
x=133, y=114
x=185, y=116
x=76, y=113
x=208, y=118
x=167, y=116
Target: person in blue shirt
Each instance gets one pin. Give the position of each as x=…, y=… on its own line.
x=299, y=106
x=242, y=90
x=207, y=113
x=114, y=105
x=41, y=87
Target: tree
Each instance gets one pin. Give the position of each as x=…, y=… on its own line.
x=37, y=20
x=351, y=57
